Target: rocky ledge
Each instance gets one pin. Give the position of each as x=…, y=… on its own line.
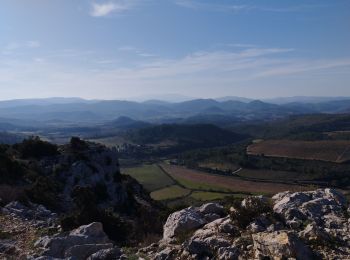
x=301, y=225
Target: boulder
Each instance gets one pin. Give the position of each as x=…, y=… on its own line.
x=79, y=243
x=182, y=222
x=207, y=240
x=212, y=208
x=280, y=245
x=82, y=252
x=320, y=206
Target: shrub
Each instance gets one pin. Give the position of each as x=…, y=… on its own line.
x=77, y=144
x=86, y=211
x=11, y=172
x=44, y=191
x=36, y=148
x=243, y=215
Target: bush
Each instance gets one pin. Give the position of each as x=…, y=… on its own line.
x=36, y=148
x=11, y=172
x=86, y=211
x=77, y=144
x=44, y=191
x=244, y=214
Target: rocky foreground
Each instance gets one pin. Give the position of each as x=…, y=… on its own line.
x=302, y=225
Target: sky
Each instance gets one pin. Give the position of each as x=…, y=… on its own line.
x=122, y=49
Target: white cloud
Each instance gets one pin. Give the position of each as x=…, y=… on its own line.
x=107, y=8
x=204, y=73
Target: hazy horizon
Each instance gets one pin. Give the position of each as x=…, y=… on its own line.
x=176, y=98
x=122, y=49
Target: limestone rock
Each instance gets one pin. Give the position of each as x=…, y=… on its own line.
x=182, y=222
x=280, y=245
x=79, y=243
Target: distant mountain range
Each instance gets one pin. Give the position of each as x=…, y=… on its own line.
x=61, y=111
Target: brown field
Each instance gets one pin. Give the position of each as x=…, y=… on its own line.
x=332, y=151
x=227, y=183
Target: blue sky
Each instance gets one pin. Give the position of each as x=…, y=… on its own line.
x=118, y=49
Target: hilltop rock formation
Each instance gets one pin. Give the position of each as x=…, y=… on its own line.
x=301, y=225
x=73, y=185
x=87, y=164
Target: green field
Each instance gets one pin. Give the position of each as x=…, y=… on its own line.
x=171, y=192
x=151, y=177
x=172, y=188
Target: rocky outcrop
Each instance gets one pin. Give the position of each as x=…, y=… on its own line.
x=280, y=244
x=87, y=164
x=81, y=243
x=301, y=225
x=182, y=222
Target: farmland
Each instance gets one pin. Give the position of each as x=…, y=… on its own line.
x=212, y=182
x=151, y=177
x=329, y=150
x=171, y=192
x=176, y=184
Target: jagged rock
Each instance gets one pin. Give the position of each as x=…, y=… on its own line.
x=313, y=233
x=81, y=252
x=191, y=218
x=93, y=231
x=280, y=245
x=304, y=225
x=37, y=214
x=313, y=205
x=259, y=224
x=182, y=222
x=79, y=243
x=107, y=254
x=165, y=254
x=212, y=208
x=225, y=225
x=228, y=253
x=209, y=239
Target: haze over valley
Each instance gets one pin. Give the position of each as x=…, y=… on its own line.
x=174, y=129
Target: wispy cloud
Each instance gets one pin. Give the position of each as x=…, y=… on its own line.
x=14, y=47
x=302, y=66
x=211, y=6
x=107, y=8
x=137, y=51
x=224, y=7
x=221, y=68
